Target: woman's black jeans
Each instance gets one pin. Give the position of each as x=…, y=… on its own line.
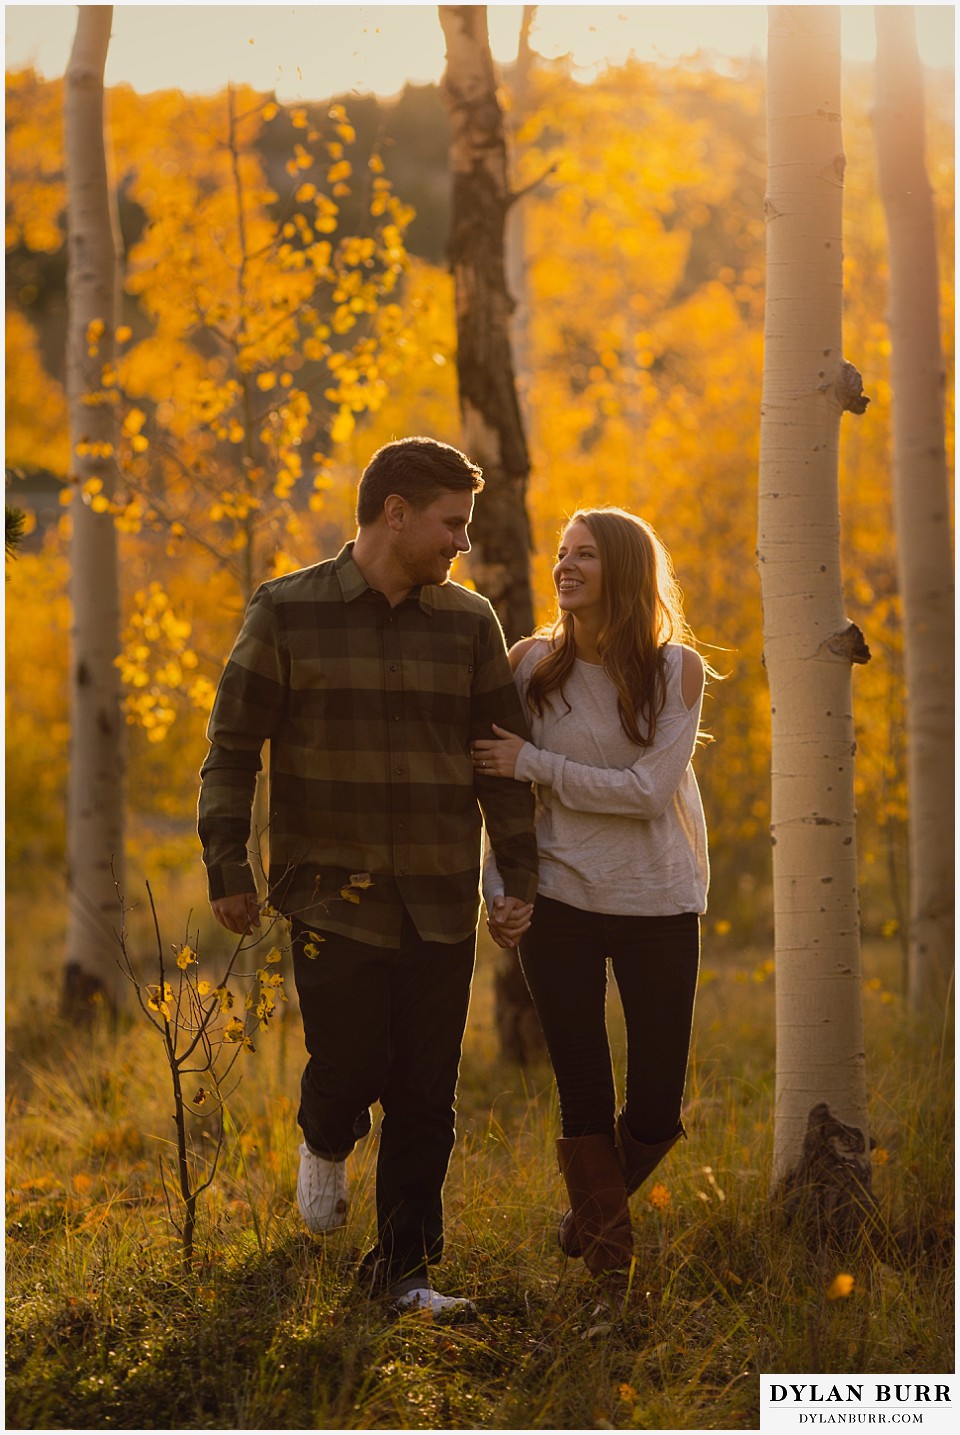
x=386, y=1024
x=655, y=961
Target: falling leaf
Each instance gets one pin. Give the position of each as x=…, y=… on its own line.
x=840, y=1287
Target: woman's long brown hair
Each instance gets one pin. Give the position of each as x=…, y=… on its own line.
x=643, y=611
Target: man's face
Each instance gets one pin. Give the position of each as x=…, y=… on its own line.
x=432, y=537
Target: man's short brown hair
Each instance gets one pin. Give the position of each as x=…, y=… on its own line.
x=418, y=469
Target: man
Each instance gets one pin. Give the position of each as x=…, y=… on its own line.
x=371, y=674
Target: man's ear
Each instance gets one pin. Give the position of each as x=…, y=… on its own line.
x=396, y=511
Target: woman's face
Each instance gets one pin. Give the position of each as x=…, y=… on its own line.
x=577, y=574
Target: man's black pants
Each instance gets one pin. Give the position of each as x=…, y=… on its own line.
x=386, y=1024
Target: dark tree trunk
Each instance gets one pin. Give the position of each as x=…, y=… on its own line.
x=492, y=426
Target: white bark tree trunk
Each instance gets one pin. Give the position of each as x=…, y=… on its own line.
x=821, y=1145
x=921, y=504
x=95, y=791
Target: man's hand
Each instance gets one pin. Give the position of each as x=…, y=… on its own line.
x=240, y=913
x=509, y=920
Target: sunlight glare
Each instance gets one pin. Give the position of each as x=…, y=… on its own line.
x=314, y=51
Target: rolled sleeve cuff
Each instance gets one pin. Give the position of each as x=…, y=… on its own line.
x=229, y=879
x=519, y=882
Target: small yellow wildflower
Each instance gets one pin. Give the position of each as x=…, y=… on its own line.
x=659, y=1197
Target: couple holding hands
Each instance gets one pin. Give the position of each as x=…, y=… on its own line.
x=396, y=717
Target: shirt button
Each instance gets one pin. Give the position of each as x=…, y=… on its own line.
x=398, y=771
x=396, y=717
x=393, y=667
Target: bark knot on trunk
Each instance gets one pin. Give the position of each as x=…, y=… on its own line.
x=848, y=387
x=850, y=644
x=828, y=1191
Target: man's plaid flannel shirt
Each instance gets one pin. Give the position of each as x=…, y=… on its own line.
x=370, y=712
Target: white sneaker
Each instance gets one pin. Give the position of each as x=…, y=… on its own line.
x=426, y=1298
x=321, y=1192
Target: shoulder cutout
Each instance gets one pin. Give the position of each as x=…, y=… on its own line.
x=519, y=651
x=691, y=677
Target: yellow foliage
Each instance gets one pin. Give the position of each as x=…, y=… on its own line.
x=36, y=193
x=36, y=407
x=37, y=724
x=639, y=363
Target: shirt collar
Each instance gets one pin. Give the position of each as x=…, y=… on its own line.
x=353, y=584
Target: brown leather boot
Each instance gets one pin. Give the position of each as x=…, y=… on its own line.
x=638, y=1161
x=598, y=1200
x=637, y=1158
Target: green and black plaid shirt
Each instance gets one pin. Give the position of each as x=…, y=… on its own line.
x=370, y=712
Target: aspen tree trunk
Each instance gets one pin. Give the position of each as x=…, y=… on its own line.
x=821, y=1142
x=921, y=504
x=95, y=790
x=492, y=426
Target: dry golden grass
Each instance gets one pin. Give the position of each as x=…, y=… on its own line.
x=106, y=1331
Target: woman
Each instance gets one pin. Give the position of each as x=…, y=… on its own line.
x=614, y=696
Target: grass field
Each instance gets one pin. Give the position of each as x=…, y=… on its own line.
x=106, y=1331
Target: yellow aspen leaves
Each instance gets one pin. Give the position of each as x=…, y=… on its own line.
x=342, y=426
x=87, y=448
x=234, y=1033
x=95, y=332
x=160, y=999
x=215, y=428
